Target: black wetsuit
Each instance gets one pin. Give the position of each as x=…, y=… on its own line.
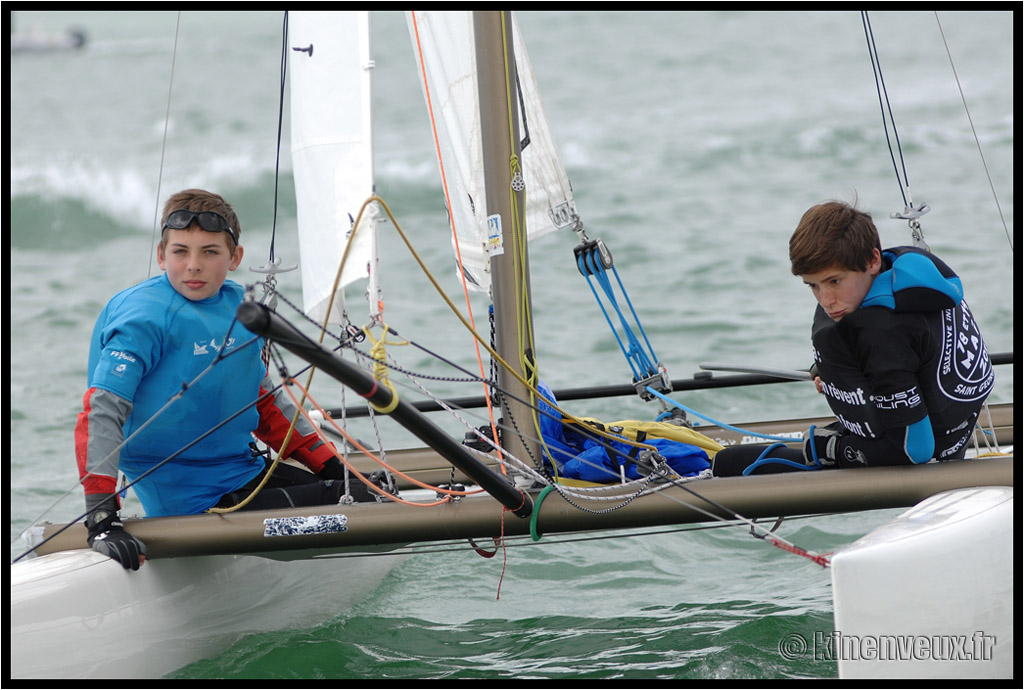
x=906, y=374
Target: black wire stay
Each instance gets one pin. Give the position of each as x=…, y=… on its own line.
x=887, y=116
x=280, y=124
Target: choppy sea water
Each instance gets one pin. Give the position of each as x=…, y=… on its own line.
x=694, y=142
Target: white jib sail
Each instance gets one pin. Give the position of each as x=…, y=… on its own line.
x=444, y=48
x=332, y=151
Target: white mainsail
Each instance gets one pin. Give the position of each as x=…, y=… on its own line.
x=332, y=151
x=444, y=47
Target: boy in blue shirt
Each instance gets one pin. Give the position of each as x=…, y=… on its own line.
x=152, y=339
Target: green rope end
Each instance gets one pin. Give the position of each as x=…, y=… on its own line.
x=536, y=511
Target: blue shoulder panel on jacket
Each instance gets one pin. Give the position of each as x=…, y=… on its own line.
x=913, y=283
x=918, y=271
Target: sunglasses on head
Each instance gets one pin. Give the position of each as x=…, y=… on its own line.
x=206, y=220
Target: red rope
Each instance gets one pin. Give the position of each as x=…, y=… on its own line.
x=504, y=553
x=487, y=554
x=819, y=558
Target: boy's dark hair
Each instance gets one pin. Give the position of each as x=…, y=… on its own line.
x=201, y=200
x=830, y=234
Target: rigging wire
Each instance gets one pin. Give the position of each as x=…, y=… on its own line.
x=355, y=443
x=887, y=116
x=669, y=401
x=412, y=376
x=163, y=147
x=280, y=125
x=910, y=213
x=517, y=192
x=593, y=261
x=977, y=140
x=639, y=489
x=273, y=267
x=444, y=296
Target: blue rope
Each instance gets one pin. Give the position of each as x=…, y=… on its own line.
x=814, y=449
x=583, y=270
x=763, y=459
x=686, y=409
x=636, y=319
x=641, y=365
x=634, y=353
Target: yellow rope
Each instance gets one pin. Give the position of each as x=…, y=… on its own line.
x=380, y=368
x=524, y=319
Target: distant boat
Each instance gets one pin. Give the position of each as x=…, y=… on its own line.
x=37, y=41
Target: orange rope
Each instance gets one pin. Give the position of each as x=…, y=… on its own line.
x=451, y=217
x=448, y=492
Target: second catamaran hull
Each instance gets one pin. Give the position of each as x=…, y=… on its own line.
x=930, y=594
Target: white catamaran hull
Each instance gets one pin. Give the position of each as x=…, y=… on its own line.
x=929, y=595
x=77, y=614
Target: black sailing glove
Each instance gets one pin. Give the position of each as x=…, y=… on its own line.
x=332, y=469
x=107, y=536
